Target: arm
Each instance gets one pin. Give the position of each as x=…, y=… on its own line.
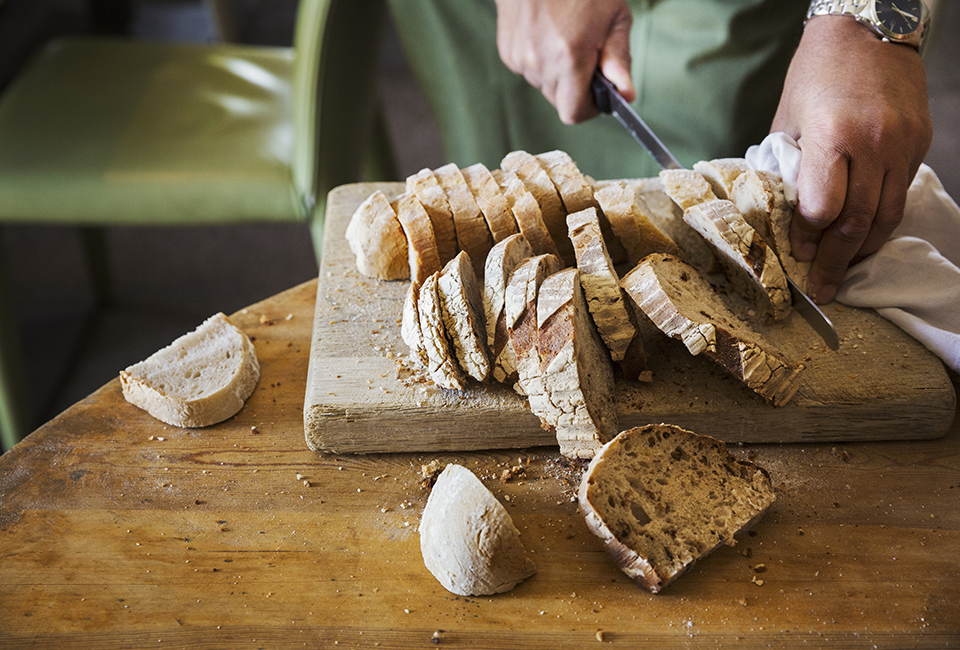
x=557, y=44
x=858, y=108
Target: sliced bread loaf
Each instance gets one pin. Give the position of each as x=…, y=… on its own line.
x=573, y=390
x=468, y=540
x=685, y=307
x=502, y=260
x=422, y=256
x=461, y=303
x=752, y=268
x=202, y=378
x=377, y=239
x=426, y=187
x=493, y=204
x=661, y=498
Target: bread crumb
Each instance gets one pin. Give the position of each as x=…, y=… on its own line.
x=756, y=581
x=742, y=601
x=760, y=568
x=599, y=636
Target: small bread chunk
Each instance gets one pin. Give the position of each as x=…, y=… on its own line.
x=759, y=198
x=721, y=173
x=473, y=235
x=410, y=325
x=468, y=540
x=661, y=498
x=575, y=393
x=493, y=204
x=202, y=378
x=422, y=256
x=629, y=216
x=461, y=304
x=426, y=187
x=441, y=362
x=751, y=267
x=536, y=179
x=520, y=310
x=378, y=241
x=685, y=307
x=502, y=260
x=686, y=187
x=526, y=212
x=601, y=286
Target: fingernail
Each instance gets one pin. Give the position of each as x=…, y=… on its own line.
x=807, y=252
x=825, y=294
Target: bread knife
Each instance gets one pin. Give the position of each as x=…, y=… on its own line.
x=609, y=100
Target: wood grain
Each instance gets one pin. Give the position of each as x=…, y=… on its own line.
x=117, y=531
x=362, y=396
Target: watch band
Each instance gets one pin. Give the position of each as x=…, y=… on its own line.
x=860, y=10
x=845, y=7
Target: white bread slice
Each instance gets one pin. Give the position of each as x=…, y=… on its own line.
x=202, y=378
x=721, y=173
x=537, y=181
x=468, y=540
x=685, y=307
x=441, y=362
x=686, y=187
x=629, y=216
x=604, y=297
x=376, y=238
x=493, y=204
x=526, y=212
x=520, y=311
x=661, y=498
x=410, y=325
x=422, y=256
x=461, y=304
x=759, y=198
x=575, y=393
x=426, y=187
x=751, y=267
x=502, y=260
x=473, y=235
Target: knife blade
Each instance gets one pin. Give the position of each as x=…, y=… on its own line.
x=609, y=100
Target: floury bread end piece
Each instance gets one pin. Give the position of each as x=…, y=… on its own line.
x=468, y=540
x=750, y=265
x=377, y=239
x=202, y=378
x=661, y=498
x=502, y=260
x=461, y=304
x=575, y=393
x=685, y=307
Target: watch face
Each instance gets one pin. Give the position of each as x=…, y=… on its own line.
x=899, y=18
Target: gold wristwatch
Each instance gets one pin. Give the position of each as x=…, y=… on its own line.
x=897, y=21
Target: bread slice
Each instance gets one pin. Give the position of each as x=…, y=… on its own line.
x=759, y=198
x=441, y=361
x=468, y=540
x=422, y=256
x=629, y=217
x=685, y=307
x=202, y=378
x=686, y=187
x=473, y=236
x=493, y=204
x=751, y=267
x=575, y=392
x=520, y=311
x=661, y=498
x=610, y=312
x=377, y=239
x=426, y=187
x=502, y=260
x=538, y=182
x=721, y=173
x=668, y=217
x=526, y=212
x=461, y=304
x=410, y=326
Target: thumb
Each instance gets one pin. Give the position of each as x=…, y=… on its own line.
x=615, y=56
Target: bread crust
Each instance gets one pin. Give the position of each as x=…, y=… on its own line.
x=377, y=239
x=461, y=306
x=526, y=211
x=501, y=262
x=538, y=182
x=441, y=362
x=473, y=235
x=493, y=204
x=422, y=256
x=629, y=218
x=426, y=187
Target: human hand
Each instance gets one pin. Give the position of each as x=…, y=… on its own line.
x=557, y=45
x=857, y=106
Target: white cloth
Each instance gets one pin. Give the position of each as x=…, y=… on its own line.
x=914, y=279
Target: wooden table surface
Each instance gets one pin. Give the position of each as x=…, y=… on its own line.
x=119, y=531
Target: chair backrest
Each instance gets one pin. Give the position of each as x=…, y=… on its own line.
x=334, y=91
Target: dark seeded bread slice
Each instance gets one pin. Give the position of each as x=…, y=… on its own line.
x=685, y=307
x=661, y=498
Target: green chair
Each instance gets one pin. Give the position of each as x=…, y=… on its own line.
x=110, y=132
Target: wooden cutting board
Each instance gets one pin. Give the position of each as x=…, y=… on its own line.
x=363, y=396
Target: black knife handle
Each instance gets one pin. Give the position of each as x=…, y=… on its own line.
x=601, y=87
